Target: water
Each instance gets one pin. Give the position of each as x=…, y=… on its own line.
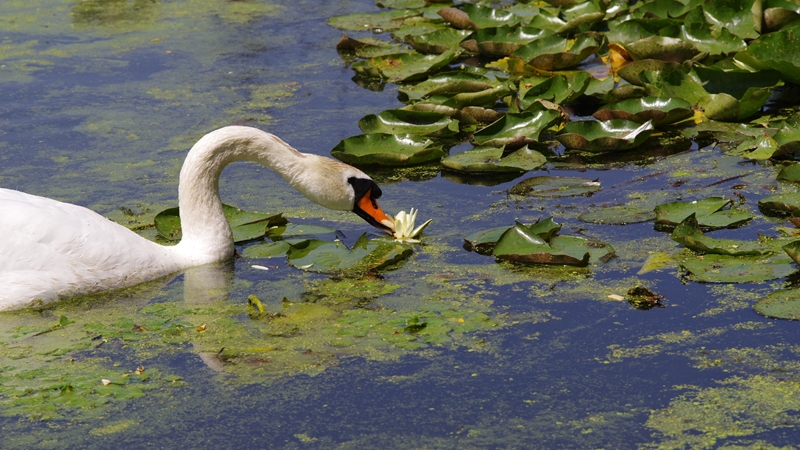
x=100, y=102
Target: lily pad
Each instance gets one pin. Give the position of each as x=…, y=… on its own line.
x=557, y=53
x=607, y=136
x=475, y=17
x=737, y=269
x=401, y=67
x=661, y=48
x=494, y=159
x=244, y=225
x=689, y=234
x=518, y=244
x=516, y=130
x=660, y=111
x=708, y=213
x=783, y=304
x=437, y=42
x=401, y=121
x=553, y=187
x=790, y=172
x=483, y=242
x=780, y=204
x=793, y=250
x=618, y=215
x=444, y=83
x=368, y=47
x=384, y=21
x=334, y=257
x=501, y=41
x=387, y=150
x=632, y=72
x=559, y=89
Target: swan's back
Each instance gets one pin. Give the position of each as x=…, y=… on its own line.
x=51, y=250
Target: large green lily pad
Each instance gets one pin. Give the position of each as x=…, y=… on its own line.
x=244, y=225
x=447, y=83
x=606, y=136
x=402, y=121
x=367, y=255
x=661, y=48
x=708, y=212
x=385, y=21
x=483, y=242
x=475, y=17
x=783, y=304
x=387, y=150
x=494, y=159
x=660, y=111
x=555, y=187
x=560, y=89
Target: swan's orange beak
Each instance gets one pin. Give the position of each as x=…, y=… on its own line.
x=367, y=208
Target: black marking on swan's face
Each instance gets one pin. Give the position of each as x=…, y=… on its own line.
x=366, y=203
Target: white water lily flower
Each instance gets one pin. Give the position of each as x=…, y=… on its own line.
x=404, y=226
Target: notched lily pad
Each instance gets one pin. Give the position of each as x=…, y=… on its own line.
x=689, y=234
x=244, y=225
x=494, y=159
x=708, y=212
x=608, y=136
x=387, y=150
x=553, y=187
x=334, y=257
x=539, y=244
x=659, y=111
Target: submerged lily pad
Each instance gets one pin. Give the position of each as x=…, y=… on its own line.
x=494, y=159
x=334, y=257
x=618, y=215
x=708, y=212
x=402, y=121
x=660, y=111
x=244, y=225
x=783, y=304
x=555, y=187
x=385, y=21
x=387, y=150
x=737, y=269
x=607, y=136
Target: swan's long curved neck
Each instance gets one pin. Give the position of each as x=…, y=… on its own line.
x=207, y=236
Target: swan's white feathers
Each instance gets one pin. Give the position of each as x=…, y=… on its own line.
x=51, y=250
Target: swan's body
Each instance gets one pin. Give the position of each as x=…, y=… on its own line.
x=51, y=250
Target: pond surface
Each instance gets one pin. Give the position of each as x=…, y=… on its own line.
x=102, y=99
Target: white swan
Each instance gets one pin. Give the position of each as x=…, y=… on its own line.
x=51, y=250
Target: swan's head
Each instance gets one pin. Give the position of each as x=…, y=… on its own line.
x=366, y=206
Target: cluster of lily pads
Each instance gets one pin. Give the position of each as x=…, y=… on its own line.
x=505, y=77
